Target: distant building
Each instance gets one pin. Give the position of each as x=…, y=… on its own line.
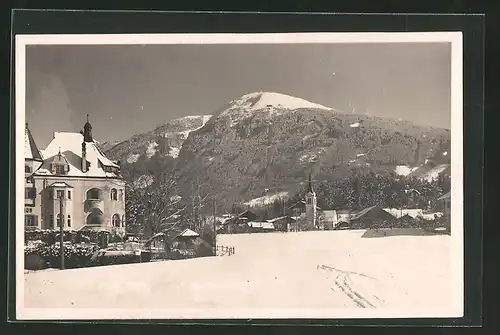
x=343, y=215
x=260, y=227
x=365, y=218
x=311, y=205
x=329, y=219
x=238, y=223
x=305, y=212
x=75, y=171
x=446, y=202
x=282, y=223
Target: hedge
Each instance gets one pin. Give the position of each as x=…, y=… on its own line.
x=75, y=255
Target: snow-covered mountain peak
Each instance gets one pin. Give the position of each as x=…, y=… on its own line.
x=270, y=103
x=262, y=100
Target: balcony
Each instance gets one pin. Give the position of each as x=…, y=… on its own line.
x=93, y=204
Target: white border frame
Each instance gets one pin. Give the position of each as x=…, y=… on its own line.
x=456, y=250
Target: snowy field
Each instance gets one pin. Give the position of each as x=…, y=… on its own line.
x=275, y=271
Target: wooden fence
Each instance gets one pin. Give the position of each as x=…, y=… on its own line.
x=224, y=249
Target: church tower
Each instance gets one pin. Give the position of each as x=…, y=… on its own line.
x=310, y=204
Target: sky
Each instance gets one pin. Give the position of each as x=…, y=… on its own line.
x=129, y=89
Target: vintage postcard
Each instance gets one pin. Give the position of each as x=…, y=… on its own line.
x=239, y=176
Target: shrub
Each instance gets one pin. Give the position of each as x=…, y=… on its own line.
x=106, y=257
x=75, y=255
x=34, y=262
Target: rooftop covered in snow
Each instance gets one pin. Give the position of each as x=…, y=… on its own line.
x=30, y=149
x=70, y=146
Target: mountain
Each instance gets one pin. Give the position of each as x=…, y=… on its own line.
x=108, y=145
x=266, y=142
x=166, y=139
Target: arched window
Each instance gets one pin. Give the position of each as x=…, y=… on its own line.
x=309, y=201
x=27, y=169
x=114, y=195
x=116, y=220
x=94, y=194
x=69, y=220
x=95, y=219
x=120, y=195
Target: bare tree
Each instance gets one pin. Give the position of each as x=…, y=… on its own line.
x=152, y=204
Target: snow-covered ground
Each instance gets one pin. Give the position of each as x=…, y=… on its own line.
x=434, y=173
x=305, y=271
x=266, y=199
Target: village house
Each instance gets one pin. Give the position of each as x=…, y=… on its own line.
x=282, y=223
x=366, y=217
x=328, y=219
x=238, y=223
x=261, y=227
x=72, y=170
x=343, y=215
x=446, y=203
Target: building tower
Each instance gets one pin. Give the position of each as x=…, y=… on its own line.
x=310, y=204
x=87, y=131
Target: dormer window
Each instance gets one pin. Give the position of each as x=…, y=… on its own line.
x=27, y=169
x=60, y=165
x=60, y=169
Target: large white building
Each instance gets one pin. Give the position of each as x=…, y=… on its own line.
x=72, y=169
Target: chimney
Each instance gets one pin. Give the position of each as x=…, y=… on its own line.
x=84, y=157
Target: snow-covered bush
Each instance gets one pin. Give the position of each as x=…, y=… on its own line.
x=75, y=255
x=52, y=236
x=111, y=257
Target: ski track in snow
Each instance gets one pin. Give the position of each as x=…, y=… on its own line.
x=342, y=283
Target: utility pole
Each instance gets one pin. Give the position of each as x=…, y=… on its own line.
x=61, y=227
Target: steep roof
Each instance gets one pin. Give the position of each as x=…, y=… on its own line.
x=30, y=149
x=70, y=145
x=381, y=213
x=188, y=233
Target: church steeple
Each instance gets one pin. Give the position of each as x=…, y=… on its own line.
x=87, y=131
x=309, y=185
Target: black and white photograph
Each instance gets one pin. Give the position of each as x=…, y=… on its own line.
x=237, y=176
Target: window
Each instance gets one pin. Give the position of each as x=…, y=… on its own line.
x=94, y=193
x=69, y=220
x=59, y=219
x=30, y=221
x=51, y=218
x=116, y=220
x=309, y=201
x=59, y=194
x=114, y=194
x=60, y=169
x=29, y=193
x=120, y=197
x=27, y=169
x=69, y=194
